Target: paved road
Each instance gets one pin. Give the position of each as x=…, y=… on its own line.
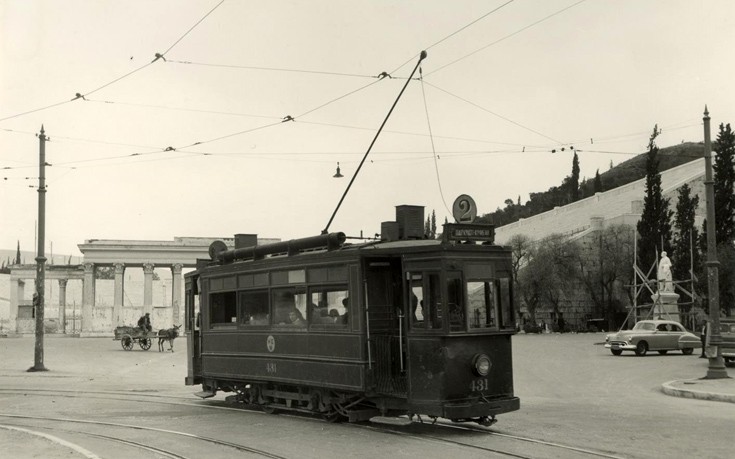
x=572, y=390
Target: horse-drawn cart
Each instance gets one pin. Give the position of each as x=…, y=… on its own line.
x=128, y=336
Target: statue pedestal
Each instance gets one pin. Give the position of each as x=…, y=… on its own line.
x=665, y=306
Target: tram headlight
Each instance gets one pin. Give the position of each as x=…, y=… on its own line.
x=481, y=364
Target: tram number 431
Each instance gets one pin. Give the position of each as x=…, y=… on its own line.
x=270, y=367
x=479, y=385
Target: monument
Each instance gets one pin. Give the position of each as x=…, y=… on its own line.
x=665, y=300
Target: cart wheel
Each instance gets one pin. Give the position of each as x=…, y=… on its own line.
x=145, y=343
x=127, y=342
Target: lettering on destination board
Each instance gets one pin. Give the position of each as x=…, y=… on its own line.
x=469, y=232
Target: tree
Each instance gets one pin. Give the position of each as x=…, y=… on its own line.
x=521, y=248
x=430, y=226
x=686, y=250
x=654, y=227
x=605, y=270
x=574, y=182
x=17, y=255
x=562, y=255
x=724, y=178
x=598, y=182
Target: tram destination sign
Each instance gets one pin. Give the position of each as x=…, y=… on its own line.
x=469, y=232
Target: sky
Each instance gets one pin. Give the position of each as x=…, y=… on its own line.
x=200, y=142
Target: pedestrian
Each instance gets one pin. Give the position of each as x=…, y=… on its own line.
x=703, y=338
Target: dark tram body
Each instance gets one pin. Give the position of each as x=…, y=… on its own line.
x=383, y=328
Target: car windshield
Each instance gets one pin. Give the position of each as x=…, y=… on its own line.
x=644, y=326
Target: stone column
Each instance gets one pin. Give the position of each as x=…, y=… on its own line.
x=16, y=295
x=119, y=294
x=62, y=304
x=176, y=292
x=87, y=298
x=147, y=287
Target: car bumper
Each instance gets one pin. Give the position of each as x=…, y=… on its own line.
x=620, y=346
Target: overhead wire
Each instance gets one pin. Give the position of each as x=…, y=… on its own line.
x=454, y=33
x=192, y=27
x=431, y=137
x=273, y=69
x=82, y=96
x=506, y=37
x=494, y=114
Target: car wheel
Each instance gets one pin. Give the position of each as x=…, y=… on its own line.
x=641, y=348
x=616, y=351
x=687, y=351
x=663, y=351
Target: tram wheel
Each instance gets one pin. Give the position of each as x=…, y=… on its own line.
x=269, y=409
x=333, y=417
x=663, y=352
x=145, y=343
x=126, y=342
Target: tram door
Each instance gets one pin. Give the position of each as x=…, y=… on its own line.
x=193, y=344
x=385, y=319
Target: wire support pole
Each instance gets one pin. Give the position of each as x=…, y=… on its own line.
x=422, y=56
x=716, y=369
x=38, y=297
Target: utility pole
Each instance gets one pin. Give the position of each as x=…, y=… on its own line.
x=716, y=369
x=38, y=298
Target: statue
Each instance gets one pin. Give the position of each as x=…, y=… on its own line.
x=664, y=274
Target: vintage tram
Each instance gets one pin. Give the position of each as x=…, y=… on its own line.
x=398, y=326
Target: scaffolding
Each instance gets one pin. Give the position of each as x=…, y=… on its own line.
x=643, y=281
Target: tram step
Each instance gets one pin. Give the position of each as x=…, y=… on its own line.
x=204, y=394
x=391, y=420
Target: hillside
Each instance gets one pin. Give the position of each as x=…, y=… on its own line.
x=626, y=172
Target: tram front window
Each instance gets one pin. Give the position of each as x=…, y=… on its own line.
x=481, y=301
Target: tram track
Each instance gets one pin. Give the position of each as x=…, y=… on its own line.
x=424, y=435
x=88, y=422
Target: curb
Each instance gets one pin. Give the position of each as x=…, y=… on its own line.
x=670, y=389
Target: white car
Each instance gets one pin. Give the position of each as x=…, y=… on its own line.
x=653, y=335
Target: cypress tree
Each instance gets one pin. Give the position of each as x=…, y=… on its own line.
x=598, y=182
x=654, y=227
x=724, y=178
x=574, y=182
x=686, y=250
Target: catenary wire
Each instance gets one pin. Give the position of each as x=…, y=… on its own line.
x=493, y=113
x=192, y=27
x=505, y=37
x=431, y=137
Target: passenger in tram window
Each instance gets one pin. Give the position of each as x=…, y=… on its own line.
x=334, y=315
x=345, y=318
x=296, y=317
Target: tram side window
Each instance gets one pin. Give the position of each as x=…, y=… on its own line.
x=222, y=308
x=254, y=306
x=481, y=300
x=426, y=301
x=329, y=306
x=289, y=307
x=506, y=303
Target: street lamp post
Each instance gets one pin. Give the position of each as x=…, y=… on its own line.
x=716, y=369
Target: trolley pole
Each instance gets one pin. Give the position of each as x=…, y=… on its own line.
x=716, y=369
x=38, y=300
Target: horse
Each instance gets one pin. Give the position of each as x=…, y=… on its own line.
x=168, y=335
